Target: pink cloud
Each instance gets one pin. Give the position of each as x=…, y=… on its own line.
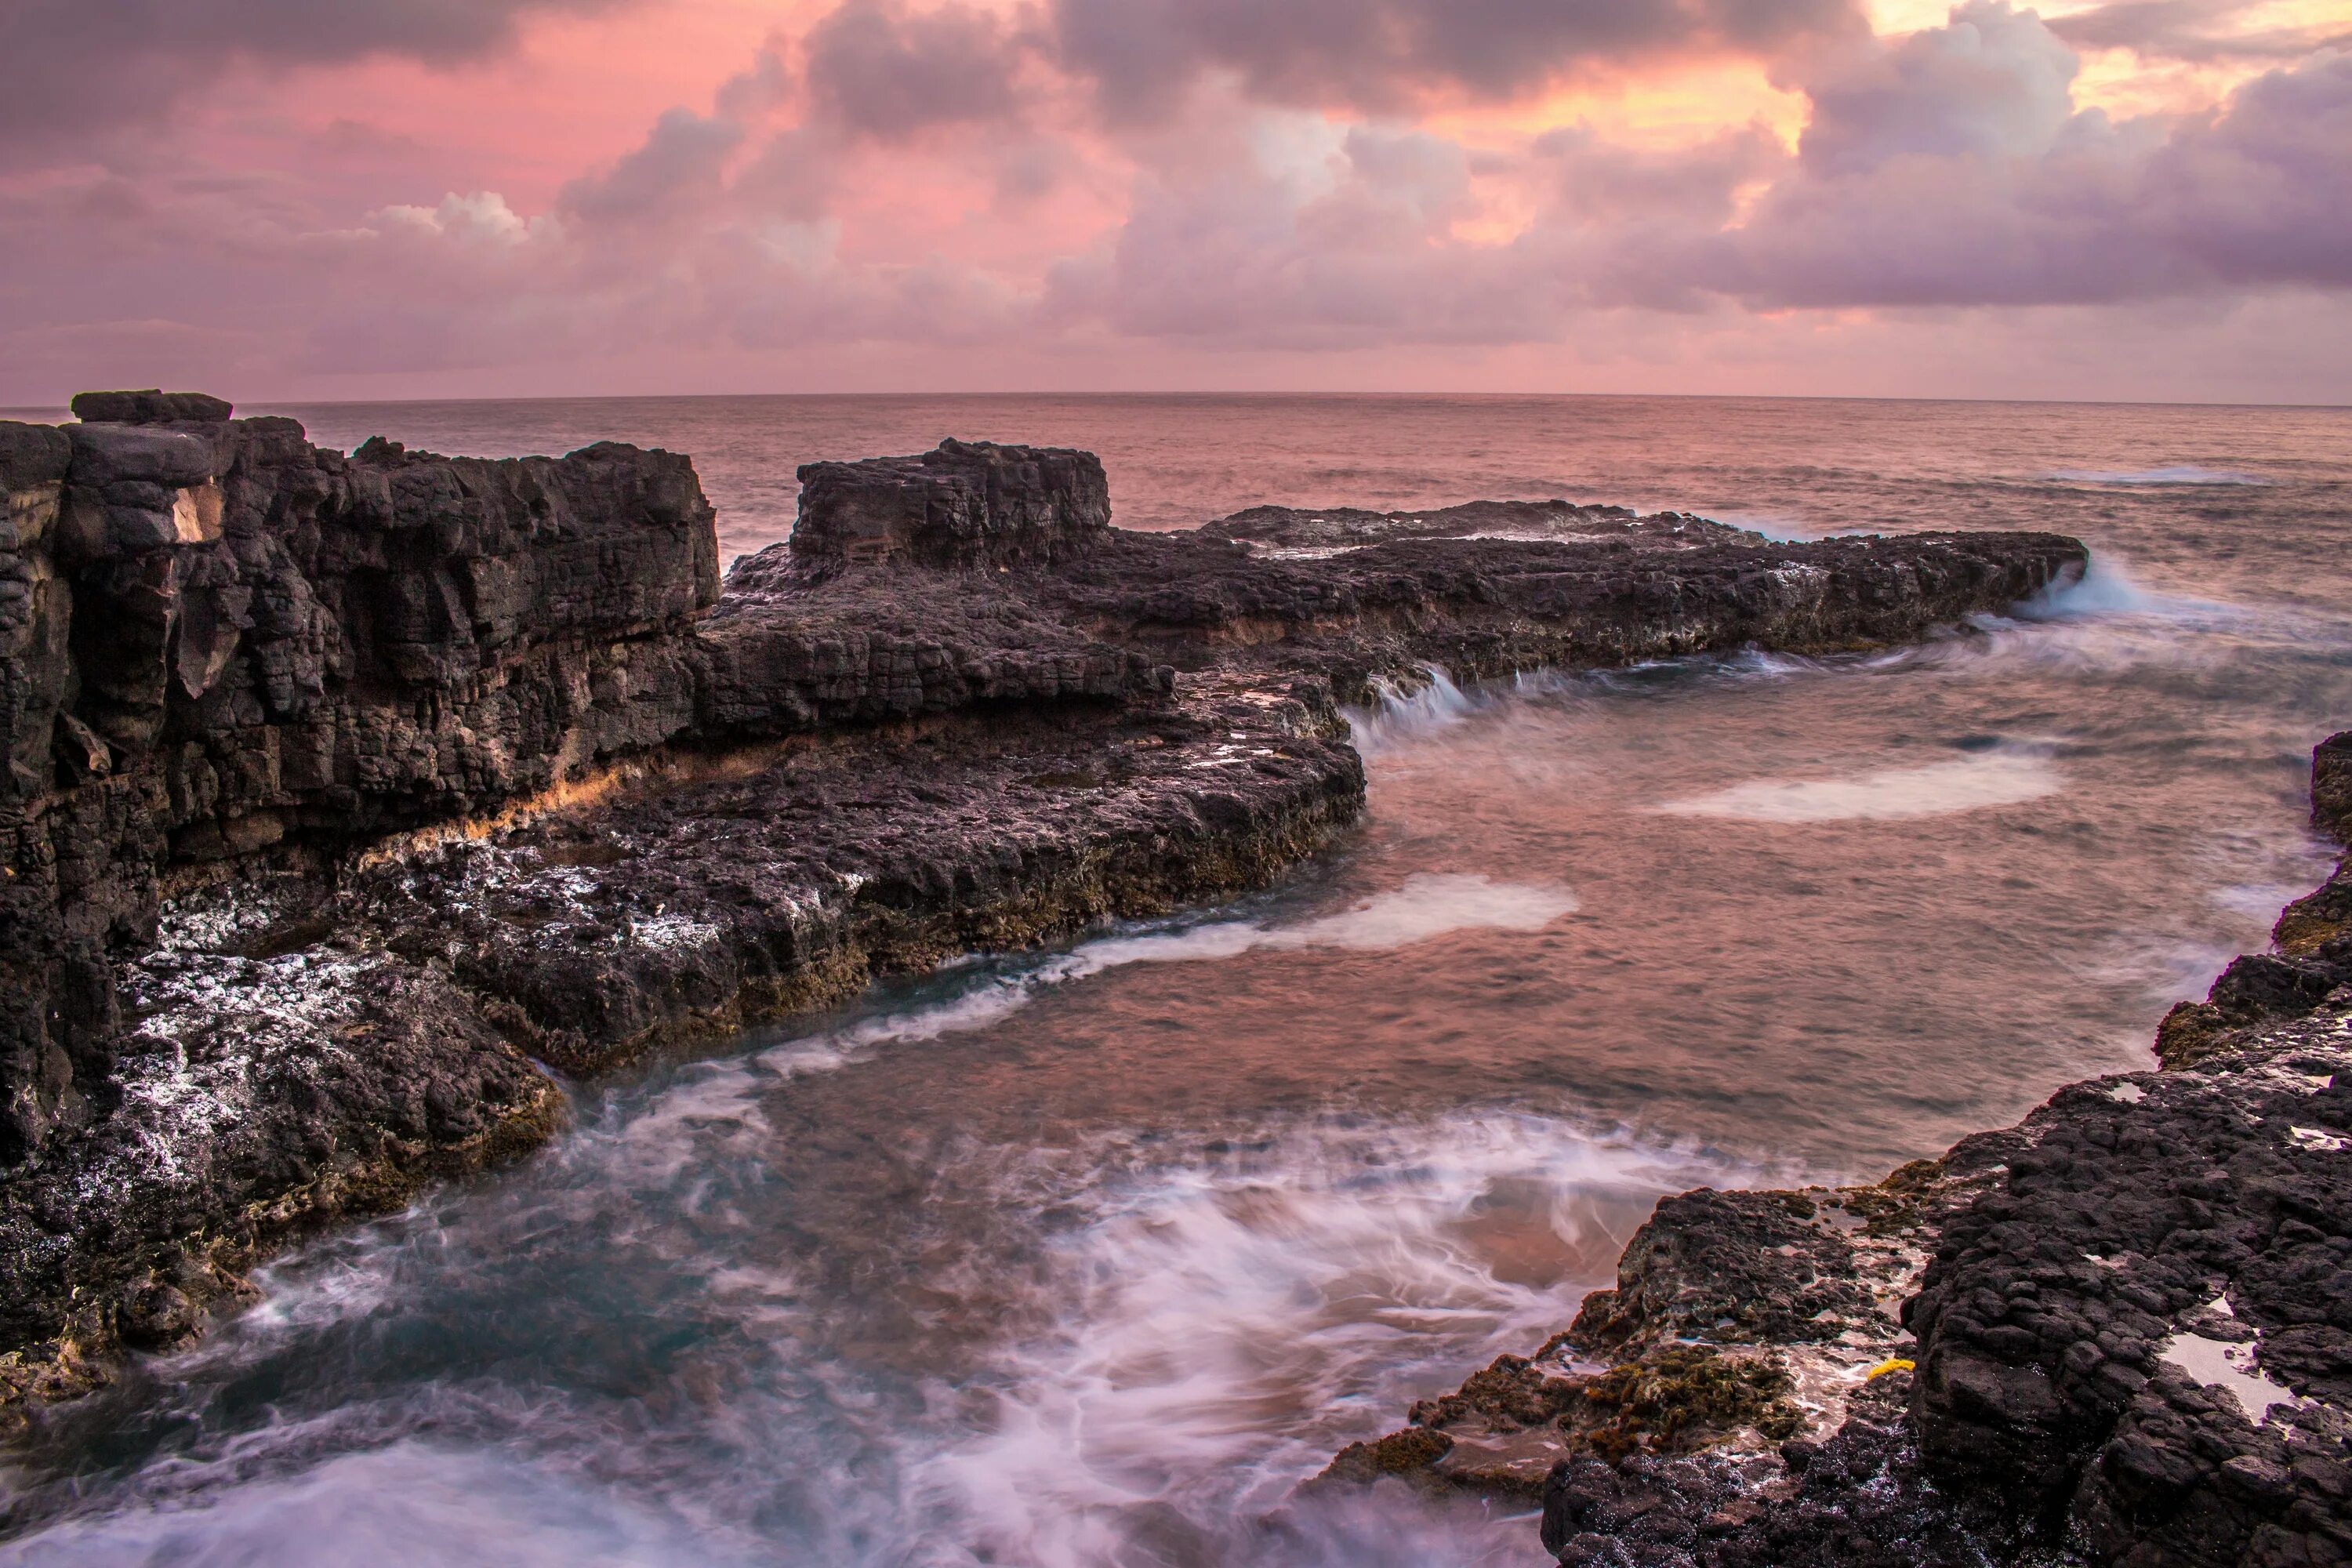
x=621, y=195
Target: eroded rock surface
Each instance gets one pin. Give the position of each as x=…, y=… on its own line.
x=345, y=799
x=2119, y=1333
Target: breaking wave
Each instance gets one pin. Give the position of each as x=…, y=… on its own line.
x=1205, y=1322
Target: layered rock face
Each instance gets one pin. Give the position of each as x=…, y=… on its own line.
x=348, y=794
x=2118, y=1332
x=218, y=641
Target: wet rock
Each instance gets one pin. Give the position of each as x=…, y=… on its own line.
x=257, y=1099
x=1484, y=607
x=720, y=901
x=1730, y=1267
x=1858, y=1498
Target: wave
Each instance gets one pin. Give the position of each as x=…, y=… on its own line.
x=1964, y=783
x=1778, y=528
x=2175, y=474
x=1226, y=1323
x=1205, y=1321
x=1399, y=715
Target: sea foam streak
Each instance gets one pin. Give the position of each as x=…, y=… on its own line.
x=1226, y=1323
x=1964, y=783
x=2175, y=474
x=1425, y=906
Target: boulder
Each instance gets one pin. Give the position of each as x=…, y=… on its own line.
x=150, y=408
x=965, y=505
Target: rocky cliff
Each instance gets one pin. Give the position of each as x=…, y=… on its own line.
x=218, y=643
x=350, y=798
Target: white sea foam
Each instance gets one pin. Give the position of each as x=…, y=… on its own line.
x=1425, y=906
x=2103, y=587
x=408, y=1502
x=1399, y=715
x=1209, y=1322
x=1964, y=783
x=1226, y=1323
x=713, y=1107
x=2107, y=620
x=2174, y=474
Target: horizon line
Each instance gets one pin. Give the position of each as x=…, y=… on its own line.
x=1282, y=395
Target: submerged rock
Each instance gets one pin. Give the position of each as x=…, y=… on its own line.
x=344, y=798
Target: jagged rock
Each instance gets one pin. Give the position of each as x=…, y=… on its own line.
x=2215, y=1203
x=1732, y=1268
x=968, y=504
x=717, y=902
x=1486, y=607
x=257, y=1098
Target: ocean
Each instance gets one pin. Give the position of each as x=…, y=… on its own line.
x=1088, y=1256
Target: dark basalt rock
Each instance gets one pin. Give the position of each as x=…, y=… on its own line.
x=256, y=1098
x=1732, y=1268
x=1488, y=606
x=151, y=408
x=336, y=791
x=718, y=901
x=2314, y=938
x=223, y=642
x=971, y=505
x=2130, y=1317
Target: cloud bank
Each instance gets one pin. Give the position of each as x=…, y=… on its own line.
x=1379, y=184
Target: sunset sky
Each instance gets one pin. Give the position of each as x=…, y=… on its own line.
x=397, y=198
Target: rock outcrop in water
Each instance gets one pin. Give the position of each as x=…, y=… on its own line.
x=346, y=795
x=2119, y=1333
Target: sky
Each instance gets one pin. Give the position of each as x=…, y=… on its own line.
x=298, y=199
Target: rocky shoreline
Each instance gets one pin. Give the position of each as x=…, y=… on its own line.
x=2118, y=1332
x=352, y=803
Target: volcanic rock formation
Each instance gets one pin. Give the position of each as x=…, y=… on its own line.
x=347, y=798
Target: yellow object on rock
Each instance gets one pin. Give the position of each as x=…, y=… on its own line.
x=1892, y=1363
